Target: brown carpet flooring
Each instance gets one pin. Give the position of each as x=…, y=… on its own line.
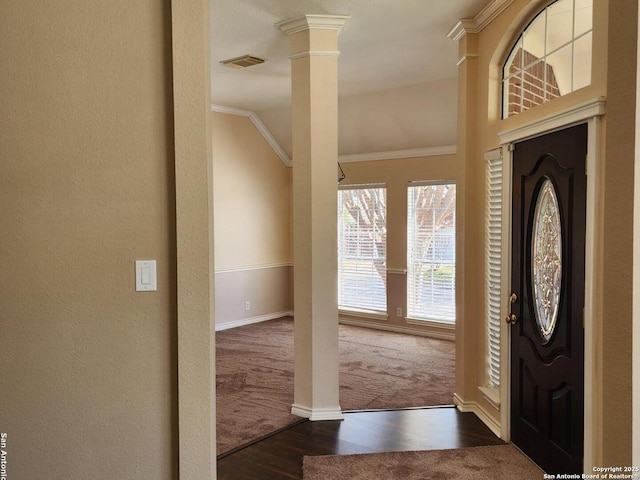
x=254, y=372
x=503, y=462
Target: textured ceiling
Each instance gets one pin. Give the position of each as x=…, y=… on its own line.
x=387, y=45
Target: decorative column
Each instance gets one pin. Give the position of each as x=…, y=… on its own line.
x=314, y=83
x=470, y=225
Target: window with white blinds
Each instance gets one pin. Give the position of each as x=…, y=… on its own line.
x=362, y=248
x=493, y=255
x=431, y=252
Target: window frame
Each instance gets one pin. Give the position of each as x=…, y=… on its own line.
x=518, y=43
x=413, y=315
x=364, y=308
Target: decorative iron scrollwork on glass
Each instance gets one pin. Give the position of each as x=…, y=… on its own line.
x=546, y=259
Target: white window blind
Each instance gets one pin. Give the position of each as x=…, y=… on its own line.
x=362, y=248
x=431, y=247
x=493, y=255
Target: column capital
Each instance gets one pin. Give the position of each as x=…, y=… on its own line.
x=313, y=22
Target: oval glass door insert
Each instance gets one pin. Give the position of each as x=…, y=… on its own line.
x=546, y=259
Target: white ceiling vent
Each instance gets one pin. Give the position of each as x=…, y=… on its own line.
x=243, y=61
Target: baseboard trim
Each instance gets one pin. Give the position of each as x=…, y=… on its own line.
x=423, y=331
x=315, y=414
x=479, y=412
x=248, y=321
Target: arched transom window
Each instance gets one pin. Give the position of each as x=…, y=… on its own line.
x=552, y=57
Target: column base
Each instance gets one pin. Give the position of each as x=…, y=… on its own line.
x=315, y=414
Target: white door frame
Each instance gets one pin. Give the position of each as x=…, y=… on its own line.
x=591, y=113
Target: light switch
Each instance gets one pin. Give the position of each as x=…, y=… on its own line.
x=146, y=276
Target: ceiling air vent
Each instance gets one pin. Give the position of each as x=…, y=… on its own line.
x=243, y=61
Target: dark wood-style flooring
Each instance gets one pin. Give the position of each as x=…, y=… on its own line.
x=279, y=456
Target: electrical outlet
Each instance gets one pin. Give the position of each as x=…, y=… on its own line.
x=247, y=306
x=399, y=312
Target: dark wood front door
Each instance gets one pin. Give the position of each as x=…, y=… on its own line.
x=547, y=329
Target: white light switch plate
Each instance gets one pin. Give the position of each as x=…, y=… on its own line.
x=146, y=276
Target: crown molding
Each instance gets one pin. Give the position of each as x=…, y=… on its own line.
x=392, y=155
x=313, y=22
x=480, y=21
x=259, y=125
x=460, y=29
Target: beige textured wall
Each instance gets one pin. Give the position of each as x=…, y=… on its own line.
x=268, y=290
x=617, y=279
x=251, y=196
x=614, y=41
x=87, y=365
x=252, y=203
